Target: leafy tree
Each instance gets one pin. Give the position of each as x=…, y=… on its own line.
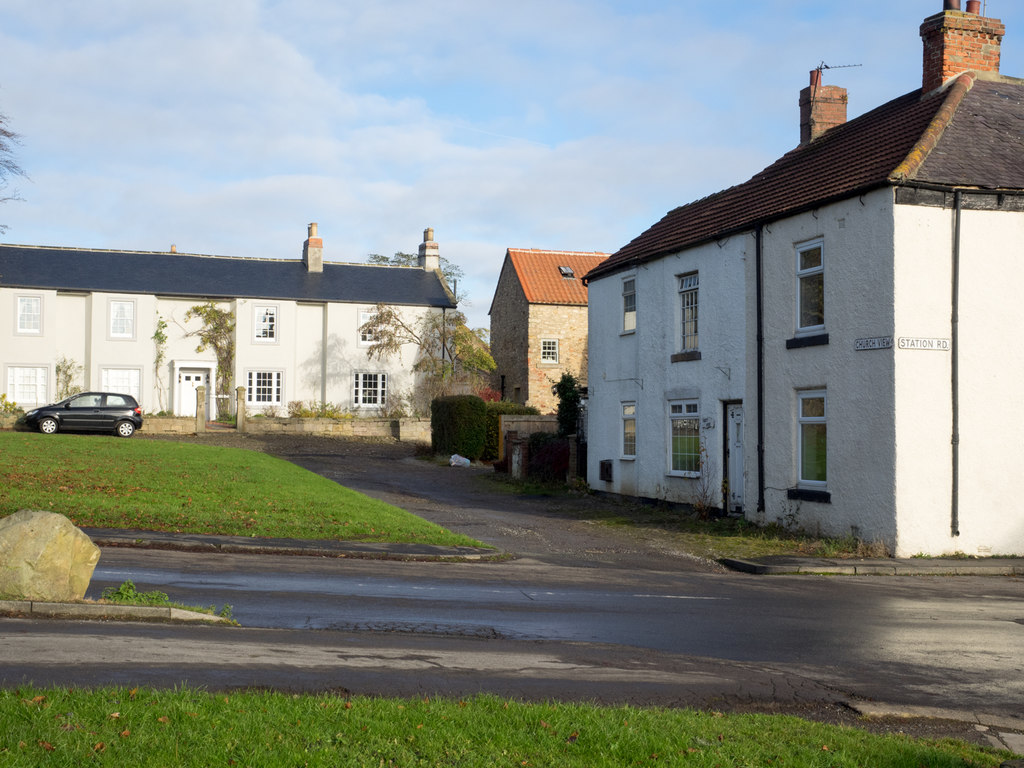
x=217, y=333
x=450, y=355
x=451, y=273
x=8, y=165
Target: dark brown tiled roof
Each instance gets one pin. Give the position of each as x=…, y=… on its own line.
x=962, y=135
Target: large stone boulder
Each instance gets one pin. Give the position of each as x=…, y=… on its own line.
x=43, y=556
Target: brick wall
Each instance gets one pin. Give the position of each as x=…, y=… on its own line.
x=955, y=42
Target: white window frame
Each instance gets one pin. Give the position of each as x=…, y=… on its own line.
x=17, y=391
x=259, y=383
x=629, y=305
x=22, y=327
x=549, y=351
x=628, y=432
x=365, y=315
x=689, y=306
x=359, y=389
x=805, y=420
x=266, y=329
x=808, y=274
x=121, y=334
x=134, y=388
x=680, y=411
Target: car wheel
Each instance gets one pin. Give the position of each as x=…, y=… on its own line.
x=48, y=426
x=125, y=429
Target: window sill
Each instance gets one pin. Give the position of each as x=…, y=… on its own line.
x=685, y=475
x=627, y=333
x=627, y=458
x=806, y=494
x=797, y=342
x=685, y=357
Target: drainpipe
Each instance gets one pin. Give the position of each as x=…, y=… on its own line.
x=759, y=257
x=955, y=366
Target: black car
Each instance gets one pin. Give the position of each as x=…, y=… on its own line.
x=89, y=411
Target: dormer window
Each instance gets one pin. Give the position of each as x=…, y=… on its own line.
x=567, y=273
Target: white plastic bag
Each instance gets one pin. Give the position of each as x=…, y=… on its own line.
x=458, y=461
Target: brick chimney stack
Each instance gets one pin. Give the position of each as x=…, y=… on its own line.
x=958, y=41
x=430, y=252
x=821, y=107
x=313, y=251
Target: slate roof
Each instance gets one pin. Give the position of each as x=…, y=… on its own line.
x=196, y=276
x=970, y=133
x=541, y=280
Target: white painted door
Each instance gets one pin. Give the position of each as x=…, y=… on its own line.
x=188, y=383
x=734, y=455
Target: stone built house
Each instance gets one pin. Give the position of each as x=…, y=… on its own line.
x=296, y=332
x=539, y=323
x=831, y=344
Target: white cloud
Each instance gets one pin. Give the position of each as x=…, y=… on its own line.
x=226, y=127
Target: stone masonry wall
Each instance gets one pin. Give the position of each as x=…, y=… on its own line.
x=567, y=324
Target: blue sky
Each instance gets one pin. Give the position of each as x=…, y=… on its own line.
x=226, y=127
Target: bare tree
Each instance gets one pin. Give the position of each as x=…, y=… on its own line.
x=8, y=165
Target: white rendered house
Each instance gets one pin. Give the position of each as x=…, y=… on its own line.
x=296, y=335
x=855, y=310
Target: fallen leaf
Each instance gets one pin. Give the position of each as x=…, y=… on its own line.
x=164, y=719
x=572, y=737
x=132, y=692
x=348, y=705
x=544, y=725
x=125, y=733
x=99, y=746
x=824, y=747
x=115, y=715
x=46, y=745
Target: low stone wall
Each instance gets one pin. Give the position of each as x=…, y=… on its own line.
x=406, y=430
x=168, y=425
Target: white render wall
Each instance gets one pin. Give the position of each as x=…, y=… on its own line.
x=991, y=367
x=857, y=245
x=637, y=367
x=318, y=348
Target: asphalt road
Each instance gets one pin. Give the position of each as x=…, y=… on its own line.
x=583, y=611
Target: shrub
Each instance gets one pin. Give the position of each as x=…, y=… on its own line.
x=458, y=424
x=314, y=409
x=548, y=458
x=569, y=399
x=494, y=413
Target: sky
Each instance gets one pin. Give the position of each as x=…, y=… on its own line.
x=226, y=127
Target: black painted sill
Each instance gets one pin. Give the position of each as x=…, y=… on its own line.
x=798, y=342
x=685, y=357
x=806, y=494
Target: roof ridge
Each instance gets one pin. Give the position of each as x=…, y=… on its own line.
x=929, y=139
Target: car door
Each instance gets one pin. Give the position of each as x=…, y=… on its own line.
x=114, y=408
x=83, y=412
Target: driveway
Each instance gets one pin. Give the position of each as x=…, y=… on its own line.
x=557, y=530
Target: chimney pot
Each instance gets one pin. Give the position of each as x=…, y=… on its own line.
x=974, y=6
x=821, y=107
x=951, y=5
x=174, y=248
x=313, y=251
x=430, y=253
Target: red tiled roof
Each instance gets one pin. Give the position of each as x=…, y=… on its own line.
x=898, y=142
x=543, y=282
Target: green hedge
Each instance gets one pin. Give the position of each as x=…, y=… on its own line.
x=458, y=424
x=495, y=411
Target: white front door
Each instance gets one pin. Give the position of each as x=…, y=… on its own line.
x=734, y=455
x=188, y=382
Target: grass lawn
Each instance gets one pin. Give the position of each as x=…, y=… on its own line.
x=141, y=727
x=167, y=486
